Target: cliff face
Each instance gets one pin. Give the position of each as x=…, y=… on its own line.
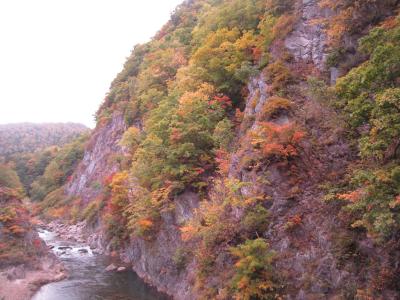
x=309, y=150
x=99, y=160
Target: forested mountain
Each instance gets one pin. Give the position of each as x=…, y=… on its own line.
x=250, y=150
x=29, y=137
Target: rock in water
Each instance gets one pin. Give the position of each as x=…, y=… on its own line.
x=111, y=268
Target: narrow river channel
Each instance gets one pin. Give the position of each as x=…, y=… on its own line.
x=88, y=279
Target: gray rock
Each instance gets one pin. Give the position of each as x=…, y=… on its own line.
x=111, y=268
x=16, y=273
x=64, y=248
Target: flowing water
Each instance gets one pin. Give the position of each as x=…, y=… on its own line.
x=88, y=279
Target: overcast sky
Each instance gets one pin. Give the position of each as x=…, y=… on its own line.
x=58, y=57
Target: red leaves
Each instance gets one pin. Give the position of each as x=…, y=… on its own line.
x=276, y=140
x=223, y=100
x=37, y=243
x=222, y=159
x=175, y=136
x=256, y=53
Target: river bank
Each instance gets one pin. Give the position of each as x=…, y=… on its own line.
x=22, y=281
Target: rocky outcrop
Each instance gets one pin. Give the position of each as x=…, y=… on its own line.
x=307, y=41
x=154, y=260
x=99, y=160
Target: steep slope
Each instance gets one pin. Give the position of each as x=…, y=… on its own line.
x=224, y=165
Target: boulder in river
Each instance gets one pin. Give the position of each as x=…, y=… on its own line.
x=83, y=250
x=64, y=248
x=111, y=267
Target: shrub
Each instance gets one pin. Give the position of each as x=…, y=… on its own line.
x=277, y=141
x=255, y=221
x=180, y=258
x=374, y=201
x=276, y=105
x=278, y=75
x=223, y=134
x=254, y=274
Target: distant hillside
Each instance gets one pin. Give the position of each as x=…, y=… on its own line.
x=28, y=137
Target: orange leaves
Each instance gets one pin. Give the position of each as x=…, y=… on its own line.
x=188, y=232
x=280, y=141
x=58, y=213
x=353, y=196
x=17, y=230
x=146, y=224
x=395, y=203
x=222, y=159
x=390, y=23
x=293, y=222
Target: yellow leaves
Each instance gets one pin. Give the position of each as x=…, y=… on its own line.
x=131, y=137
x=118, y=183
x=188, y=99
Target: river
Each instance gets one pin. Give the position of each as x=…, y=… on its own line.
x=88, y=279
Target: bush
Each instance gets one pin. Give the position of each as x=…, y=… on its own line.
x=276, y=105
x=180, y=258
x=278, y=75
x=254, y=274
x=256, y=221
x=278, y=142
x=223, y=134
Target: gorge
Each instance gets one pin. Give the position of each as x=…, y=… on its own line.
x=250, y=150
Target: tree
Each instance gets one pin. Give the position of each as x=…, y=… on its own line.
x=254, y=274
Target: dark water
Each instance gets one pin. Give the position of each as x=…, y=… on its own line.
x=88, y=279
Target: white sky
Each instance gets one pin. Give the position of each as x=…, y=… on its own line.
x=58, y=57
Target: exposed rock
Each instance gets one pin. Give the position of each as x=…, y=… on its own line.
x=111, y=268
x=307, y=41
x=121, y=269
x=17, y=272
x=96, y=165
x=185, y=205
x=64, y=248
